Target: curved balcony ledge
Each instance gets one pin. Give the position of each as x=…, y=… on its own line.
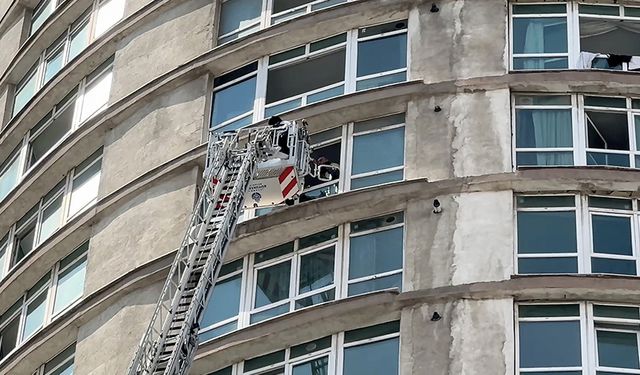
x=69, y=77
x=78, y=230
x=568, y=81
x=310, y=217
x=295, y=328
x=12, y=11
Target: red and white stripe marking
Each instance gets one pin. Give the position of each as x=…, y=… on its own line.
x=288, y=183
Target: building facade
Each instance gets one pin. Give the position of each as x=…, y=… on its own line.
x=500, y=111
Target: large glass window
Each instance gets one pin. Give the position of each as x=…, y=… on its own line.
x=370, y=350
x=96, y=92
x=233, y=99
x=382, y=55
x=544, y=130
x=294, y=275
x=553, y=340
x=239, y=18
x=539, y=38
x=10, y=173
x=547, y=234
x=305, y=75
x=26, y=89
x=221, y=315
x=577, y=234
x=41, y=13
x=85, y=183
x=48, y=298
x=548, y=130
x=69, y=285
x=386, y=164
x=108, y=13
x=376, y=254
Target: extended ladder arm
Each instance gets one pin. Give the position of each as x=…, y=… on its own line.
x=171, y=339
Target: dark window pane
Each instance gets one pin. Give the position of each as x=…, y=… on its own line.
x=316, y=270
x=269, y=313
x=618, y=349
x=535, y=63
x=319, y=366
x=310, y=347
x=381, y=55
x=273, y=284
x=377, y=222
x=301, y=77
x=375, y=253
x=286, y=55
x=317, y=238
x=605, y=101
x=622, y=312
x=550, y=344
x=546, y=158
x=611, y=235
x=224, y=302
x=322, y=297
x=599, y=9
x=607, y=130
x=372, y=331
x=274, y=252
x=546, y=232
x=9, y=337
x=380, y=29
x=545, y=311
x=619, y=204
x=237, y=14
x=327, y=42
x=540, y=35
x=378, y=358
x=376, y=179
x=380, y=283
x=231, y=267
x=543, y=100
x=543, y=128
x=601, y=158
x=264, y=360
x=545, y=201
x=539, y=9
x=547, y=265
x=376, y=151
x=281, y=5
x=233, y=101
x=614, y=266
x=233, y=75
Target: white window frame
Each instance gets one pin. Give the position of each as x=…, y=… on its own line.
x=288, y=363
x=268, y=18
x=579, y=131
x=36, y=12
x=41, y=369
x=293, y=258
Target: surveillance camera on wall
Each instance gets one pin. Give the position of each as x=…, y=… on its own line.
x=437, y=208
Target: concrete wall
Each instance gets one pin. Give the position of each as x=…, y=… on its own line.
x=146, y=227
x=472, y=338
x=10, y=40
x=466, y=38
x=107, y=343
x=170, y=40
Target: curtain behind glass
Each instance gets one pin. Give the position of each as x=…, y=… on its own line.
x=550, y=133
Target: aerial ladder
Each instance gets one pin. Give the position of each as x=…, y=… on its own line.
x=251, y=167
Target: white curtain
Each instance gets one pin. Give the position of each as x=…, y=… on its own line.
x=550, y=130
x=534, y=43
x=593, y=27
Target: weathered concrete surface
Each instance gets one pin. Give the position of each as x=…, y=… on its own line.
x=164, y=128
x=472, y=338
x=106, y=343
x=466, y=38
x=150, y=225
x=10, y=41
x=470, y=136
x=170, y=40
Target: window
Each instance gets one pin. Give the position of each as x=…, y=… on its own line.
x=41, y=13
x=71, y=195
x=386, y=136
x=544, y=130
x=81, y=104
x=547, y=234
x=221, y=318
x=326, y=149
x=306, y=75
x=85, y=183
x=311, y=73
x=577, y=234
x=26, y=89
x=382, y=55
x=239, y=18
x=62, y=364
x=10, y=173
x=294, y=275
x=54, y=293
x=539, y=38
x=233, y=98
x=364, y=351
x=376, y=254
x=94, y=22
x=353, y=258
x=69, y=284
x=552, y=339
x=575, y=35
x=563, y=130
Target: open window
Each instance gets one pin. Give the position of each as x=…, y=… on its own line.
x=607, y=131
x=326, y=150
